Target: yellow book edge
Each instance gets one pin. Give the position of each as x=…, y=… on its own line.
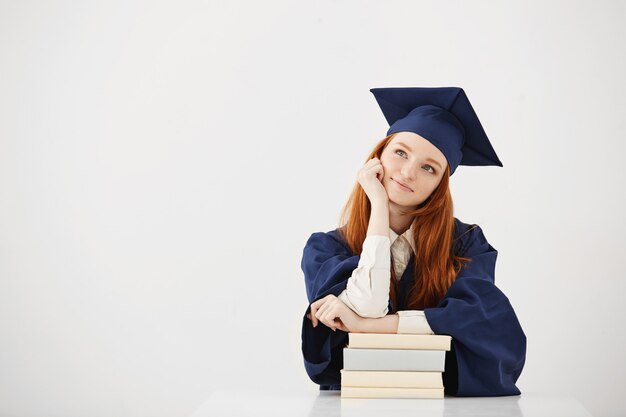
x=420, y=393
x=398, y=341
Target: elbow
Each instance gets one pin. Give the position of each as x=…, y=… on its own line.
x=368, y=306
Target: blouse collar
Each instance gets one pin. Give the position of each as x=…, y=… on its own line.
x=408, y=235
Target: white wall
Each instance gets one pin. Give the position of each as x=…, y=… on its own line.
x=162, y=165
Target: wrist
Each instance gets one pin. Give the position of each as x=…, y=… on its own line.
x=387, y=324
x=363, y=325
x=380, y=206
x=379, y=220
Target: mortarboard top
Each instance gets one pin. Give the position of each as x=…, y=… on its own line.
x=443, y=116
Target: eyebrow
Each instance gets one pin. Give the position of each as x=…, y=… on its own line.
x=427, y=159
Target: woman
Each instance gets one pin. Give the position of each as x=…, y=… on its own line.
x=402, y=263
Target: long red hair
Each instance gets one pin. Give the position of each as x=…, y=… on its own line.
x=436, y=264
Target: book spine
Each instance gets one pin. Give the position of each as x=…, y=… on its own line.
x=398, y=341
x=397, y=379
x=393, y=360
x=359, y=392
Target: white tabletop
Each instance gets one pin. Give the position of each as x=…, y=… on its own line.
x=276, y=403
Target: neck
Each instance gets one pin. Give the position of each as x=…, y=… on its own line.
x=399, y=222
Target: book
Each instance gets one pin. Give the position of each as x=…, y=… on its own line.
x=363, y=392
x=393, y=360
x=398, y=341
x=389, y=379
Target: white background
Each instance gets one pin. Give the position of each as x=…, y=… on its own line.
x=162, y=165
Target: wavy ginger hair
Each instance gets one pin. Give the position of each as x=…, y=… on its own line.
x=436, y=265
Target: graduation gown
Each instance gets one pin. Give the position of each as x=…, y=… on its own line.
x=488, y=348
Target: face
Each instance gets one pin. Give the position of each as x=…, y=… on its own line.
x=414, y=162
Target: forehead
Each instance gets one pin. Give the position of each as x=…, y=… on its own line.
x=416, y=143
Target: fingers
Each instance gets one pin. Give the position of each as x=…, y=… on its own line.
x=372, y=169
x=329, y=319
x=321, y=310
x=342, y=326
x=313, y=316
x=327, y=310
x=380, y=173
x=327, y=314
x=321, y=313
x=373, y=164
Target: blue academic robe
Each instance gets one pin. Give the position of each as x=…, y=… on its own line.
x=488, y=344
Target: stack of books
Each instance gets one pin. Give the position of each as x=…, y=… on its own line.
x=394, y=365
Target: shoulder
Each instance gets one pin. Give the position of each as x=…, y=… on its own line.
x=469, y=237
x=331, y=240
x=461, y=229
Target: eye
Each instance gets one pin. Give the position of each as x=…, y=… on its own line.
x=429, y=168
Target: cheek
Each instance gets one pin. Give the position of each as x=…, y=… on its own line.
x=434, y=184
x=429, y=185
x=386, y=161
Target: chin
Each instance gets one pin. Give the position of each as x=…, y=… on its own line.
x=409, y=205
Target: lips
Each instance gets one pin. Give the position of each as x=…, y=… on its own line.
x=402, y=185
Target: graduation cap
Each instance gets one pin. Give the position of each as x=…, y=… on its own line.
x=441, y=115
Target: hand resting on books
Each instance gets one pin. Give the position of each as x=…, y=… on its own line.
x=333, y=313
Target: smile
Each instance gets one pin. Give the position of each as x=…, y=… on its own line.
x=402, y=186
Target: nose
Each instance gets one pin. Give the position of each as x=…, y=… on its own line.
x=408, y=173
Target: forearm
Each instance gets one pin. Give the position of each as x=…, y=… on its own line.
x=379, y=220
x=367, y=290
x=387, y=324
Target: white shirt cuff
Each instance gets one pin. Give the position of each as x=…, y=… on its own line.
x=344, y=297
x=363, y=313
x=413, y=322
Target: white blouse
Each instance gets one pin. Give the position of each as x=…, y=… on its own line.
x=367, y=292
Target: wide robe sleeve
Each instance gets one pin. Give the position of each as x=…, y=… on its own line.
x=327, y=264
x=488, y=343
